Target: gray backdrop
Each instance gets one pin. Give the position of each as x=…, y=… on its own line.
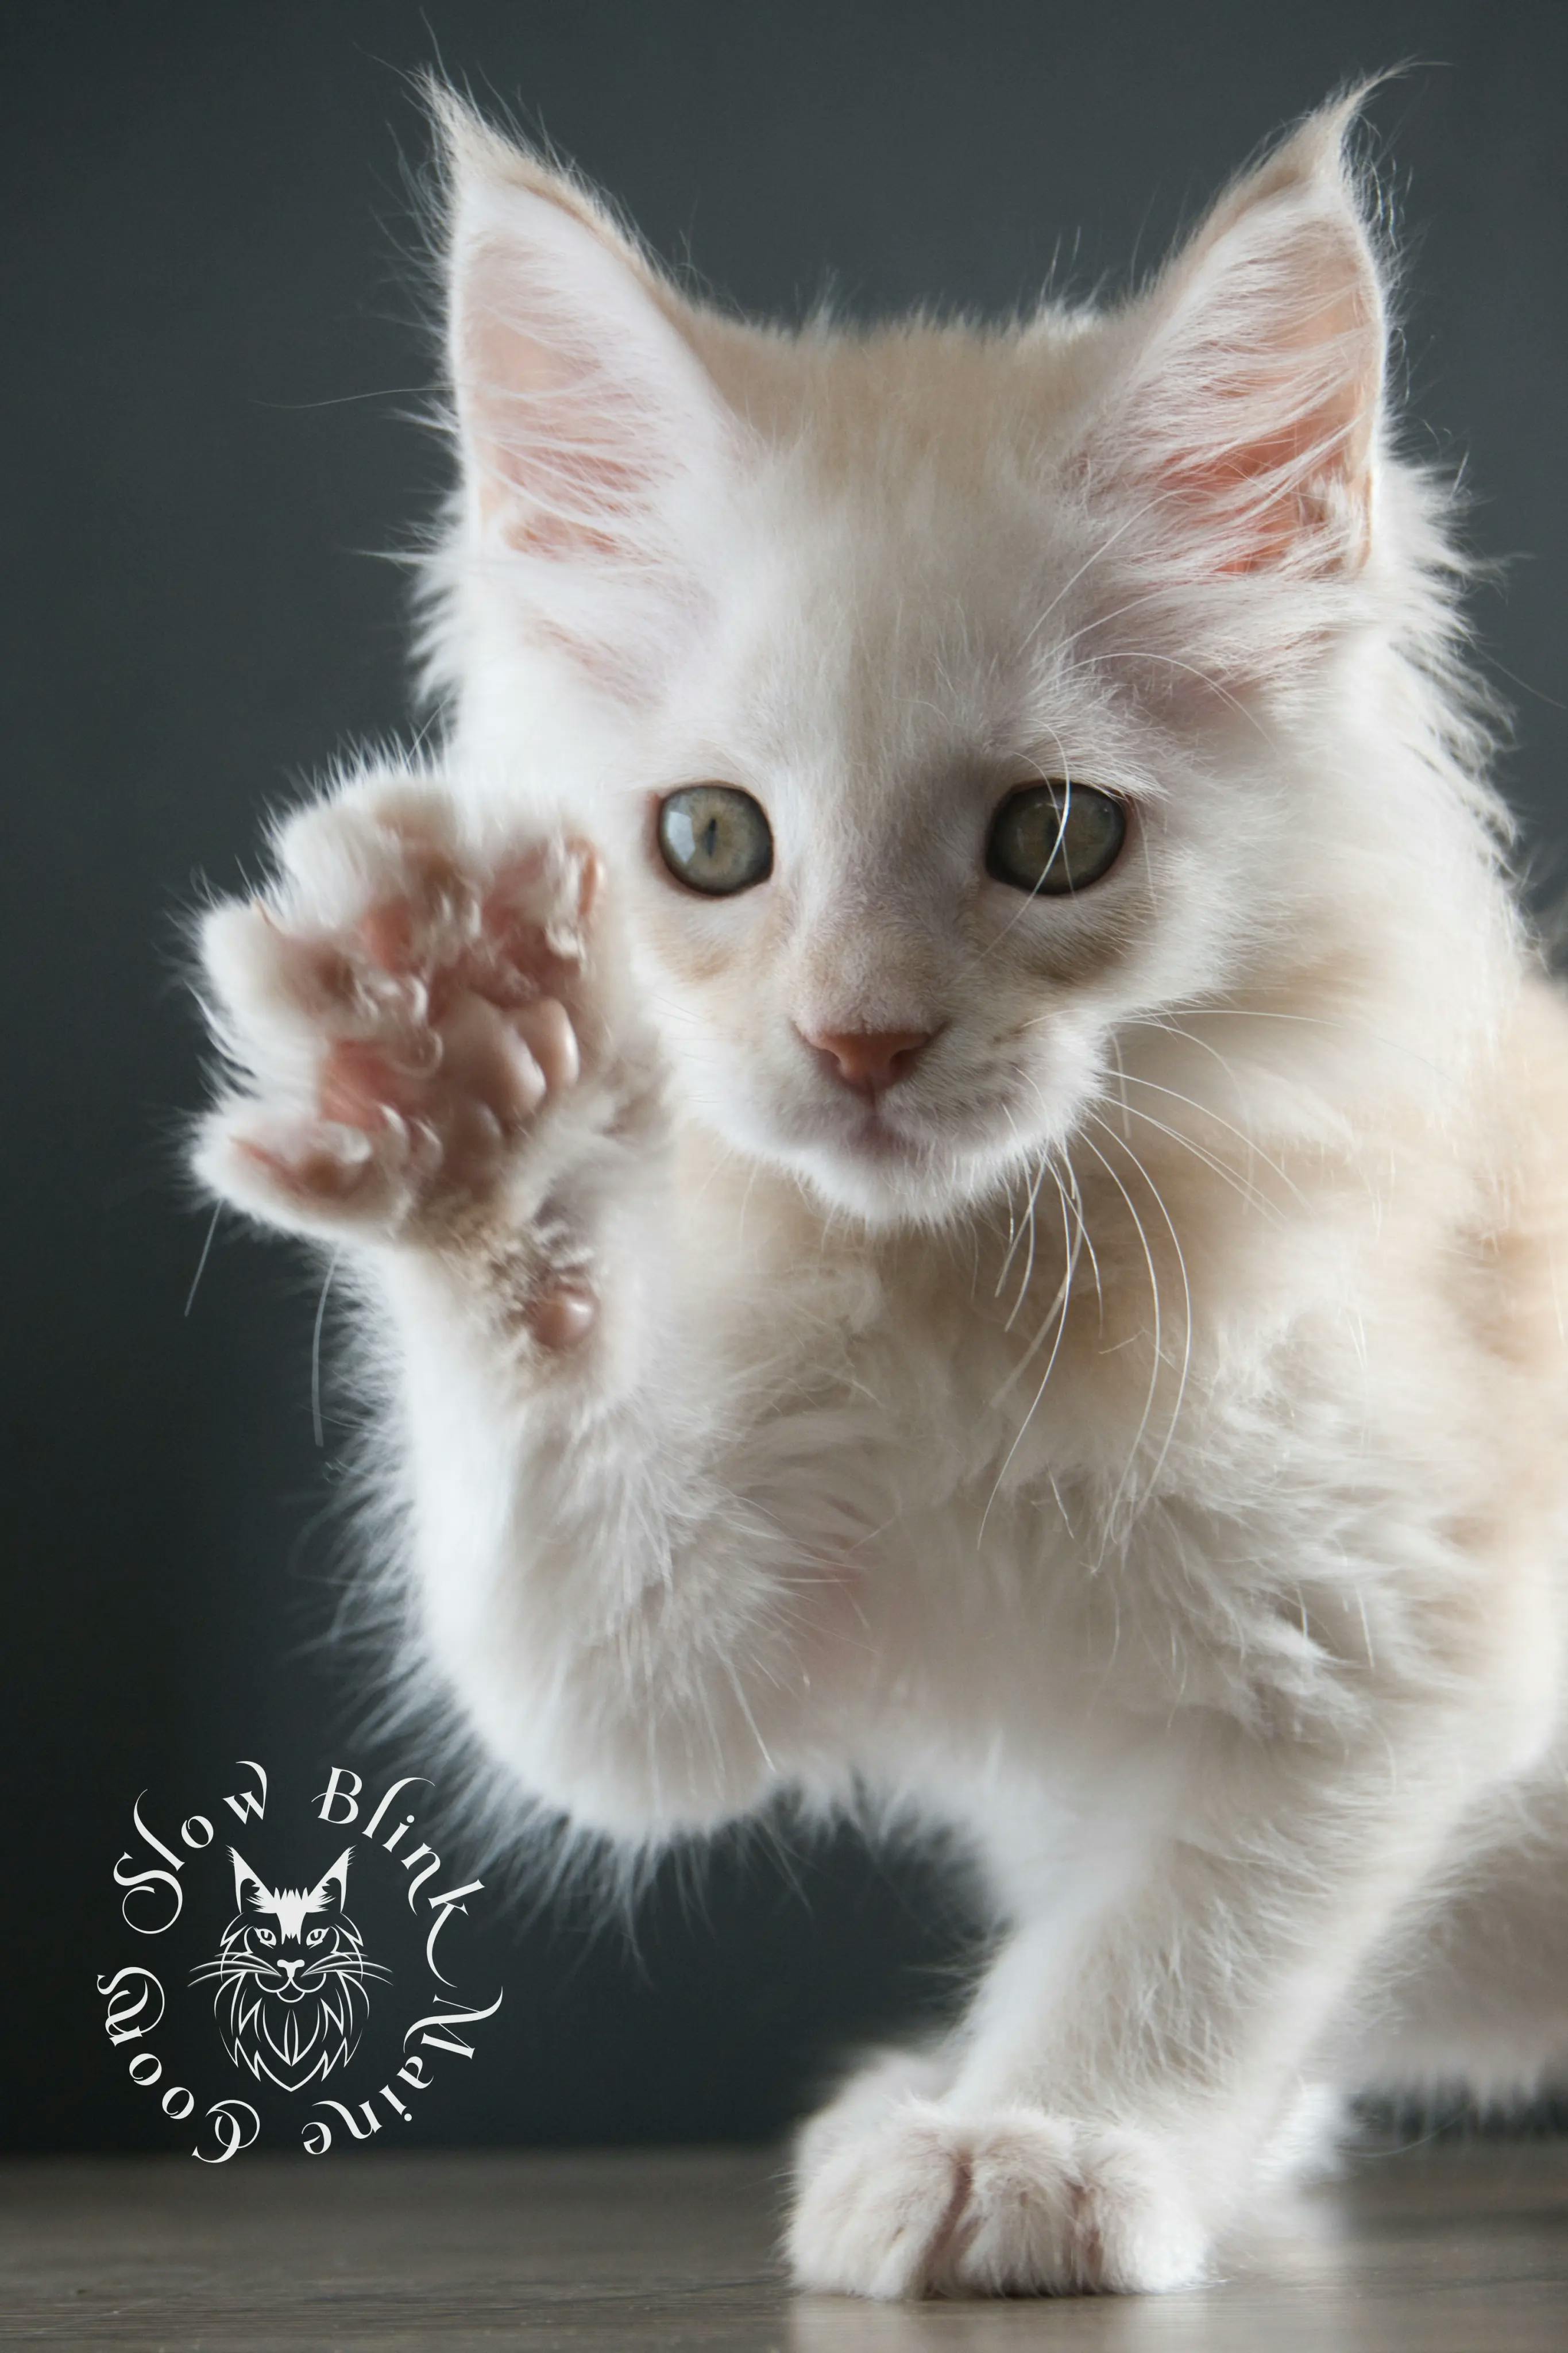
x=211, y=340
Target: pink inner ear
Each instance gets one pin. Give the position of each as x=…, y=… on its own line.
x=1264, y=403
x=567, y=450
x=1276, y=489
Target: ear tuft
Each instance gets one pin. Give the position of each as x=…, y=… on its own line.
x=1251, y=406
x=477, y=161
x=585, y=414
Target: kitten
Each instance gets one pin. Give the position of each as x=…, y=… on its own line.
x=954, y=1150
x=291, y=1978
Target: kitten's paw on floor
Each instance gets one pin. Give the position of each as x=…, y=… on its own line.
x=406, y=1014
x=926, y=2202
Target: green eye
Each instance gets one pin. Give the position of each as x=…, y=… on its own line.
x=1054, y=837
x=715, y=838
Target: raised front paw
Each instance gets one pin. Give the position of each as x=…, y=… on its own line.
x=1016, y=2202
x=411, y=1011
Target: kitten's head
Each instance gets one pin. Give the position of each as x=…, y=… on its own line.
x=954, y=702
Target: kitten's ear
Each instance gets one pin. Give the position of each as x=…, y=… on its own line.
x=338, y=1877
x=589, y=429
x=244, y=1877
x=1247, y=413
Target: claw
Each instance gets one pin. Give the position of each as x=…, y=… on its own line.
x=320, y=1160
x=361, y=1083
x=546, y=1030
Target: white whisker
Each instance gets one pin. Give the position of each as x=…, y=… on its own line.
x=317, y=1426
x=1057, y=1311
x=1205, y=1111
x=1057, y=1308
x=1186, y=1302
x=1245, y=1191
x=202, y=1261
x=1142, y=1429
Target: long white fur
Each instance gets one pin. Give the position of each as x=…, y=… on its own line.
x=1155, y=1473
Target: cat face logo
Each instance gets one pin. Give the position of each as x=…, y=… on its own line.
x=291, y=1979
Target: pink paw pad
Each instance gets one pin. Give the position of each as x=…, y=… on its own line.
x=408, y=1011
x=562, y=1318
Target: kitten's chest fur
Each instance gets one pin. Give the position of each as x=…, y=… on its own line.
x=1051, y=1339
x=1110, y=1461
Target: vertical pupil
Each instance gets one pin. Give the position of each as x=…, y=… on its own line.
x=710, y=838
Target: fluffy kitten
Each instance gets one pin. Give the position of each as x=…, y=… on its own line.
x=1002, y=1251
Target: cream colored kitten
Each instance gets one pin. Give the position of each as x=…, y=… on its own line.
x=957, y=1158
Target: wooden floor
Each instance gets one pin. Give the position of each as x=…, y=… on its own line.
x=1449, y=2250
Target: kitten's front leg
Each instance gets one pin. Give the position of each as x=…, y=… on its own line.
x=442, y=1073
x=1133, y=2071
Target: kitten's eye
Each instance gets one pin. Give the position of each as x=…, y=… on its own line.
x=1054, y=837
x=315, y=1935
x=715, y=838
x=265, y=1937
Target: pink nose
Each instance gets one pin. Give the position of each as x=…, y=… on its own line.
x=868, y=1059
